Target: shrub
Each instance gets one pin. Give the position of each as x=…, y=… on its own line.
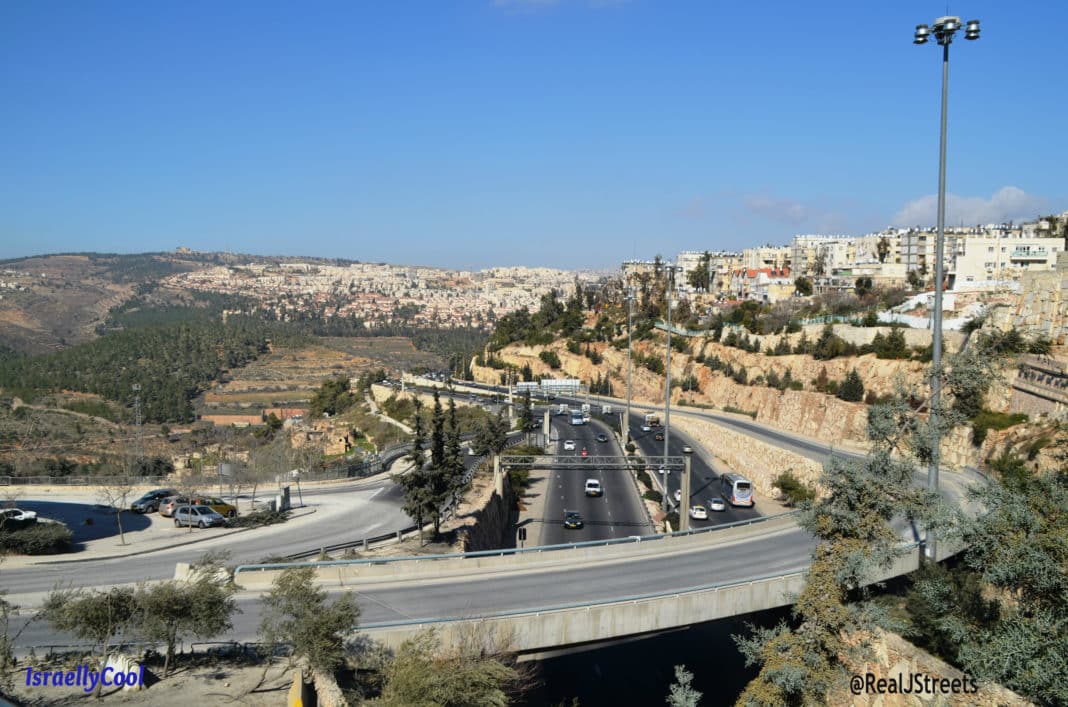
x=794, y=491
x=987, y=420
x=258, y=519
x=37, y=539
x=550, y=358
x=852, y=388
x=573, y=346
x=654, y=496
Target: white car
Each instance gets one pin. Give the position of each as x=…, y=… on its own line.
x=663, y=470
x=716, y=504
x=698, y=513
x=18, y=515
x=687, y=449
x=646, y=428
x=569, y=445
x=593, y=487
x=678, y=495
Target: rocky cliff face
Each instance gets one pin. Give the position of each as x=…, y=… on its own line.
x=898, y=662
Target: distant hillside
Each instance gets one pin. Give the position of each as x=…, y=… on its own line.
x=50, y=302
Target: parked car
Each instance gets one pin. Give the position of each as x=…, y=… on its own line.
x=167, y=505
x=150, y=501
x=698, y=513
x=602, y=437
x=218, y=505
x=593, y=488
x=569, y=445
x=200, y=516
x=16, y=518
x=716, y=504
x=572, y=520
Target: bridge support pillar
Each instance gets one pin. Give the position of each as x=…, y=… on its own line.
x=498, y=477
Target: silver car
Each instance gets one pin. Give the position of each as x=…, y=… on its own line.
x=200, y=516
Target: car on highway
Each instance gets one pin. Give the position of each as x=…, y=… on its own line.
x=646, y=428
x=593, y=488
x=663, y=470
x=602, y=437
x=200, y=516
x=569, y=445
x=698, y=513
x=150, y=501
x=659, y=436
x=687, y=449
x=678, y=495
x=218, y=505
x=16, y=518
x=716, y=504
x=167, y=505
x=585, y=453
x=572, y=520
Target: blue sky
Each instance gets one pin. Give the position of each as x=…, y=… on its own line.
x=567, y=133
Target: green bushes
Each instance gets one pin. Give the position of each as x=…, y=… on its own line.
x=794, y=491
x=37, y=539
x=654, y=496
x=258, y=519
x=550, y=358
x=987, y=420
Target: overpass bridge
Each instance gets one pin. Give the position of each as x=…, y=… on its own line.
x=538, y=599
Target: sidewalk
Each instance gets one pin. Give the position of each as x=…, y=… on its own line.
x=532, y=504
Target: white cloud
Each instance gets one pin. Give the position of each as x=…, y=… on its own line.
x=1006, y=204
x=775, y=209
x=695, y=209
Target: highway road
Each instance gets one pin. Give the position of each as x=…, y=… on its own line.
x=485, y=593
x=367, y=511
x=704, y=481
x=617, y=514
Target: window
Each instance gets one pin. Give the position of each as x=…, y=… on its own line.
x=990, y=249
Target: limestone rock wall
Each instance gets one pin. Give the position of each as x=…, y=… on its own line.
x=1042, y=307
x=761, y=463
x=896, y=659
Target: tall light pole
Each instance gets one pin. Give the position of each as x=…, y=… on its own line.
x=944, y=29
x=630, y=311
x=667, y=380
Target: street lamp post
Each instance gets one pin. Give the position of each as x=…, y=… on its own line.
x=667, y=382
x=944, y=29
x=626, y=415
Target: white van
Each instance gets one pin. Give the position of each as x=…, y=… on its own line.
x=593, y=487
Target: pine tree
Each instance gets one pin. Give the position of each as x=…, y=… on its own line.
x=437, y=435
x=852, y=388
x=415, y=456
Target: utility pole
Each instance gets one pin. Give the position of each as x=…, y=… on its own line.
x=137, y=421
x=667, y=383
x=630, y=312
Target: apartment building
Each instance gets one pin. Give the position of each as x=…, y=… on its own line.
x=1000, y=259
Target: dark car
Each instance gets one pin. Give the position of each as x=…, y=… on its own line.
x=572, y=519
x=602, y=437
x=151, y=500
x=659, y=436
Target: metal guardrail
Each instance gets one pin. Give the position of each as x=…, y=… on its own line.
x=633, y=539
x=82, y=480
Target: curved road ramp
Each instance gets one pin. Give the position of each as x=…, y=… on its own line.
x=537, y=599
